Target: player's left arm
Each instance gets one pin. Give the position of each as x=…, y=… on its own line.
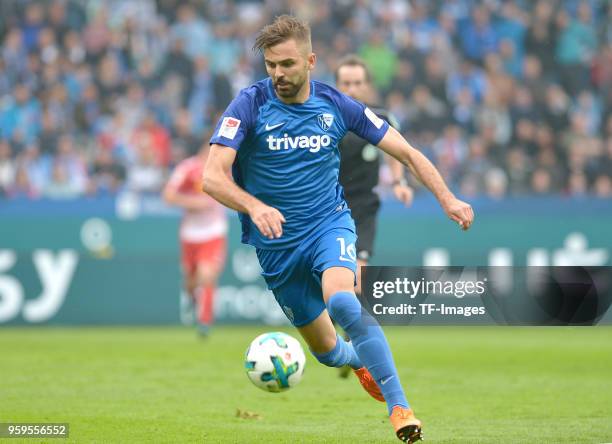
x=394, y=144
x=362, y=121
x=190, y=202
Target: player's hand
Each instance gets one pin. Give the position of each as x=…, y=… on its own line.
x=404, y=194
x=460, y=212
x=269, y=220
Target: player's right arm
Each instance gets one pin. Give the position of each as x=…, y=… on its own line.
x=217, y=181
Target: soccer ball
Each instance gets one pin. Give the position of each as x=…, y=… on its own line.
x=275, y=362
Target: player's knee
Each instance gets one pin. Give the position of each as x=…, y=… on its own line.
x=207, y=276
x=336, y=281
x=190, y=284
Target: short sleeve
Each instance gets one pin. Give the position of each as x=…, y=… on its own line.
x=233, y=127
x=361, y=120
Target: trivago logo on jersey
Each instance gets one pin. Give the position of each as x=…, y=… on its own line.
x=313, y=143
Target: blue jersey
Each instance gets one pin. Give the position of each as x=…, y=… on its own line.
x=288, y=157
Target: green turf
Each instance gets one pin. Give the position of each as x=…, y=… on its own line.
x=489, y=385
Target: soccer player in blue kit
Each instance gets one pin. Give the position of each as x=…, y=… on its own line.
x=274, y=158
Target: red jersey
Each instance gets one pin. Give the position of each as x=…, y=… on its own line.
x=201, y=225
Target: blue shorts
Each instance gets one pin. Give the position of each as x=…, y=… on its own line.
x=294, y=275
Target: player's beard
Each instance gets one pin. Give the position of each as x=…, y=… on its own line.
x=287, y=89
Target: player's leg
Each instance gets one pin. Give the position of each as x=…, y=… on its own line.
x=365, y=224
x=210, y=262
x=188, y=300
x=371, y=347
x=335, y=260
x=345, y=371
x=364, y=214
x=325, y=344
x=298, y=293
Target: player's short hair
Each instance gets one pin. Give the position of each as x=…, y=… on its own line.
x=353, y=60
x=284, y=27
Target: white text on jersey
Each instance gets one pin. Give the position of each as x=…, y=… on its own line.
x=313, y=143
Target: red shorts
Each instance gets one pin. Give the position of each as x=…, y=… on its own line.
x=210, y=253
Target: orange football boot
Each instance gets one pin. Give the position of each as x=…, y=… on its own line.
x=407, y=426
x=369, y=384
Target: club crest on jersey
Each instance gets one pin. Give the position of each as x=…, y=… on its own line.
x=325, y=120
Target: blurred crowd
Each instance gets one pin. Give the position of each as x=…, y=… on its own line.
x=506, y=97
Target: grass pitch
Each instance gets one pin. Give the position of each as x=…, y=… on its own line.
x=468, y=385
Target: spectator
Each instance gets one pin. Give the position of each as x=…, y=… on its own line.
x=523, y=106
x=498, y=79
x=479, y=37
x=524, y=136
x=423, y=27
x=87, y=110
x=587, y=107
x=183, y=134
x=541, y=35
x=14, y=54
x=404, y=79
x=225, y=50
x=470, y=77
x=519, y=171
x=534, y=79
x=464, y=111
x=70, y=163
x=107, y=175
x=22, y=187
x=494, y=115
x=511, y=27
x=96, y=35
x=146, y=175
x=577, y=184
x=603, y=186
x=425, y=112
x=154, y=135
x=435, y=76
x=450, y=151
x=381, y=59
x=496, y=183
x=32, y=25
x=60, y=185
x=575, y=48
x=37, y=168
x=541, y=182
x=556, y=108
x=477, y=164
x=20, y=115
x=547, y=159
x=7, y=168
x=191, y=30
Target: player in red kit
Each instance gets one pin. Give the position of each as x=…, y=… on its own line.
x=202, y=234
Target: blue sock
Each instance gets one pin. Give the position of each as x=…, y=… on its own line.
x=342, y=354
x=370, y=344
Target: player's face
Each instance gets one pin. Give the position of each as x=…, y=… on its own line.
x=352, y=81
x=288, y=65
